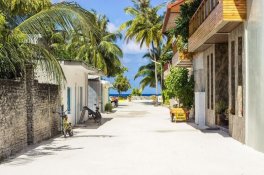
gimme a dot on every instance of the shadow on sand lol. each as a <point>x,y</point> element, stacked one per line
<point>46,148</point>
<point>90,124</point>
<point>209,130</point>
<point>49,147</point>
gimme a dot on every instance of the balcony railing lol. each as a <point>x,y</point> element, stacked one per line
<point>203,11</point>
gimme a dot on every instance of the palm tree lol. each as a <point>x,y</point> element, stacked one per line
<point>23,21</point>
<point>148,71</point>
<point>148,74</point>
<point>146,25</point>
<point>99,50</point>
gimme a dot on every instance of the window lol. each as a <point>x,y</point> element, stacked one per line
<point>240,70</point>
<point>212,81</point>
<point>240,73</point>
<point>69,100</point>
<point>208,82</point>
<point>233,79</point>
<point>81,98</point>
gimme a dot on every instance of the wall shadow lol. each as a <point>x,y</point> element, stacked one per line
<point>91,124</point>
<point>209,130</point>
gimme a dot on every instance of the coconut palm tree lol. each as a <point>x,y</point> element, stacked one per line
<point>99,50</point>
<point>23,23</point>
<point>145,26</point>
<point>147,72</point>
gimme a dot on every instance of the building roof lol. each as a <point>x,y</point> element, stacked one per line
<point>88,68</point>
<point>173,10</point>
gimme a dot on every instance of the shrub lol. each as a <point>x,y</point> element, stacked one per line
<point>181,86</point>
<point>136,92</point>
<point>108,107</point>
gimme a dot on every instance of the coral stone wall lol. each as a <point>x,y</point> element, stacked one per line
<point>26,113</point>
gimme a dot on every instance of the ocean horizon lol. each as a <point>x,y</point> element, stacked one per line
<point>126,95</point>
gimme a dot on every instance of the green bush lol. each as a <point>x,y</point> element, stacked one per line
<point>108,107</point>
<point>220,107</point>
<point>181,86</point>
<point>136,92</point>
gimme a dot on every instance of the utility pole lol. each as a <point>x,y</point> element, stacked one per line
<point>156,77</point>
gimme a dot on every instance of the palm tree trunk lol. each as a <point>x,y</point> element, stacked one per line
<point>156,74</point>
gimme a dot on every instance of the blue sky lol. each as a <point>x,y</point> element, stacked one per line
<point>114,10</point>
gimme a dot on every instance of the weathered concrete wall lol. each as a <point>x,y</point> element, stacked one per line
<point>237,120</point>
<point>237,127</point>
<point>199,72</point>
<point>26,113</point>
<point>13,117</point>
<point>221,73</point>
<point>209,99</point>
<point>254,75</point>
<point>46,99</point>
<point>199,88</point>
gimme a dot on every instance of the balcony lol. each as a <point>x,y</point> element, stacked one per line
<point>212,22</point>
<point>182,59</point>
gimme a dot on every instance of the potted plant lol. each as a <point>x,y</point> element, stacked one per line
<point>129,98</point>
<point>108,107</point>
<point>220,110</point>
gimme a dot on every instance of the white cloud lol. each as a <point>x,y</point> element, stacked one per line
<point>112,27</point>
<point>133,48</point>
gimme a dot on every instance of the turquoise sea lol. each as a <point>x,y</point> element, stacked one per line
<point>126,95</point>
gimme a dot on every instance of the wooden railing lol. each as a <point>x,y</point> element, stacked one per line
<point>203,11</point>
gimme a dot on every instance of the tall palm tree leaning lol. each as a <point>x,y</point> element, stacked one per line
<point>100,49</point>
<point>148,73</point>
<point>145,27</point>
<point>22,21</point>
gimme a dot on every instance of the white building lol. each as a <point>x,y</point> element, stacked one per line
<point>105,92</point>
<point>75,93</point>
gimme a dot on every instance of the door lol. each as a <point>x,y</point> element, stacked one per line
<point>94,94</point>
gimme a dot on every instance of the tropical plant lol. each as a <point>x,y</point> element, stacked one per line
<point>108,107</point>
<point>100,49</point>
<point>145,28</point>
<point>182,22</point>
<point>220,107</point>
<point>148,71</point>
<point>181,86</point>
<point>148,74</point>
<point>146,24</point>
<point>136,92</point>
<point>24,23</point>
<point>121,84</point>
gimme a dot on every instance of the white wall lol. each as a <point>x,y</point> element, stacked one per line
<point>199,77</point>
<point>255,75</point>
<point>105,94</point>
<point>76,77</point>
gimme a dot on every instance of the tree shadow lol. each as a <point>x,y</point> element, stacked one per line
<point>94,136</point>
<point>37,151</point>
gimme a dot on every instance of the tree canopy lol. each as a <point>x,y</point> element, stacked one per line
<point>41,33</point>
<point>121,84</point>
<point>179,85</point>
<point>136,92</point>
